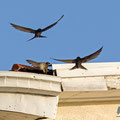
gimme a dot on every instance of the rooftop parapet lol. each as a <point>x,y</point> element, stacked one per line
<point>101,82</point>
<point>28,95</point>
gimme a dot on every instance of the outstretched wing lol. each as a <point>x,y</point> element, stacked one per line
<point>50,26</point>
<point>34,64</point>
<point>66,61</point>
<point>92,56</point>
<point>23,28</point>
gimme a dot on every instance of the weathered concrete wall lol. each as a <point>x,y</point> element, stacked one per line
<point>88,111</point>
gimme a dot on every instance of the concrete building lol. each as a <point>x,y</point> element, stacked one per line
<point>92,94</point>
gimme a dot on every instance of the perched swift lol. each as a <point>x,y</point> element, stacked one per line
<point>78,61</point>
<point>40,65</point>
<point>37,32</point>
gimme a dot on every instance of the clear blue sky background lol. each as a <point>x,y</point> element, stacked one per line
<point>87,25</point>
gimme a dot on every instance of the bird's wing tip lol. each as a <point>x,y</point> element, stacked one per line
<point>11,23</point>
<point>62,16</point>
<point>101,48</point>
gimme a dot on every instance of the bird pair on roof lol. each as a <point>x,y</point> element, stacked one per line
<point>78,62</point>
<point>44,66</point>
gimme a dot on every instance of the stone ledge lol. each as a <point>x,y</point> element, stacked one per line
<point>29,83</point>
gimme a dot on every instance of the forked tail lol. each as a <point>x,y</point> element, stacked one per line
<point>31,38</point>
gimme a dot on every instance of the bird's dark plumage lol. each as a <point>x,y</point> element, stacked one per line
<point>23,28</point>
<point>92,56</point>
<point>78,61</point>
<point>37,32</point>
<point>50,26</point>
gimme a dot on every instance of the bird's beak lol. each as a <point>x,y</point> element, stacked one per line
<point>50,64</point>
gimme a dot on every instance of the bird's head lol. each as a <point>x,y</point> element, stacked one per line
<point>39,29</point>
<point>48,64</point>
<point>78,58</point>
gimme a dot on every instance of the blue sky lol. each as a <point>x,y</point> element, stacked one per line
<point>87,25</point>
